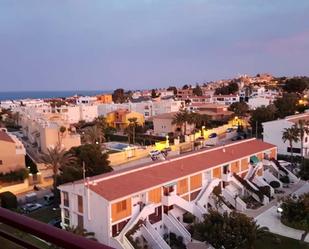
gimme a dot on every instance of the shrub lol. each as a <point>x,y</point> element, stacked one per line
<point>274,184</point>
<point>13,176</point>
<point>8,200</point>
<point>285,179</point>
<point>188,218</point>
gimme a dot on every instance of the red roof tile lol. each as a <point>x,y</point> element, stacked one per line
<point>114,187</point>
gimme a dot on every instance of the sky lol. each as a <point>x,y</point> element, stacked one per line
<point>138,44</point>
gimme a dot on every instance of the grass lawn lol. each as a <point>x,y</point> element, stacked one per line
<point>282,243</point>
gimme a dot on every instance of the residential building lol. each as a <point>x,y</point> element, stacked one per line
<point>163,125</point>
<point>214,111</point>
<point>152,199</point>
<point>85,100</point>
<point>184,93</point>
<point>272,132</point>
<point>43,130</point>
<point>105,98</point>
<point>12,152</point>
<point>120,118</point>
<point>225,99</point>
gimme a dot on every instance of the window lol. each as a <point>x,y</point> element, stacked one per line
<point>66,217</point>
<point>80,221</point>
<point>80,203</point>
<point>65,199</point>
<point>121,206</point>
<point>1,162</point>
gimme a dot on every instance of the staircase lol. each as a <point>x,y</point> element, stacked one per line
<point>175,226</point>
<point>190,207</point>
<point>234,200</point>
<point>285,171</point>
<point>143,214</point>
<point>153,237</point>
<point>203,197</point>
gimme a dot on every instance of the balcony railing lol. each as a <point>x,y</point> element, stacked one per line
<point>43,231</point>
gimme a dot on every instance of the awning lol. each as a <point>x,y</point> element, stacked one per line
<point>254,160</point>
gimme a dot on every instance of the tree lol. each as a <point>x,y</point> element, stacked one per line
<point>291,135</point>
<point>61,132</point>
<point>172,88</point>
<point>154,94</point>
<point>181,118</point>
<point>239,108</point>
<point>287,105</point>
<point>185,87</point>
<point>260,115</point>
<point>197,90</point>
<point>131,129</point>
<point>198,119</point>
<point>55,159</point>
<point>119,96</point>
<point>296,85</point>
<point>231,88</point>
<point>229,231</point>
<point>91,155</point>
<point>302,128</point>
<point>296,212</point>
<point>94,135</point>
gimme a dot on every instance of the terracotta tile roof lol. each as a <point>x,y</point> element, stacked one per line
<point>119,185</point>
<point>5,137</point>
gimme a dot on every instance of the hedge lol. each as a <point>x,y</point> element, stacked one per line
<point>8,200</point>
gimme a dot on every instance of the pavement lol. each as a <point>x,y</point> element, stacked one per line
<point>269,217</point>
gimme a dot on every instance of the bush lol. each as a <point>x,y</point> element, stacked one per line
<point>19,175</point>
<point>285,179</point>
<point>188,218</point>
<point>274,184</point>
<point>8,200</point>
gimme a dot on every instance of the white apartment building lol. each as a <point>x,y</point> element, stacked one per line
<point>82,100</point>
<point>273,130</point>
<point>225,99</point>
<point>152,199</point>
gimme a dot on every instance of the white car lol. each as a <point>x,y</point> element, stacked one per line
<point>30,207</point>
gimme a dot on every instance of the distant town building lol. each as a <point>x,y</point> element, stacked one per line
<point>12,152</point>
<point>120,118</point>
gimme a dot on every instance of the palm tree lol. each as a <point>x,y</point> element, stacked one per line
<point>131,127</point>
<point>291,135</point>
<point>55,159</point>
<point>81,232</point>
<point>182,118</point>
<point>61,132</point>
<point>94,135</point>
<point>303,129</point>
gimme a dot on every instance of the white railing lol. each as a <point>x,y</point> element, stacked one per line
<point>237,203</point>
<point>203,199</point>
<point>147,210</point>
<point>159,240</point>
<point>176,227</point>
<point>152,243</point>
<point>127,244</point>
<point>269,177</point>
<point>258,180</point>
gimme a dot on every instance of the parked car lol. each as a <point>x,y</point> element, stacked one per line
<point>212,135</point>
<point>30,207</point>
<point>31,197</point>
<point>55,222</point>
<point>229,130</point>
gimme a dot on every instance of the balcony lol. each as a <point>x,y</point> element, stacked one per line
<point>46,233</point>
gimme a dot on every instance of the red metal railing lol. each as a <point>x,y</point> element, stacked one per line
<point>45,232</point>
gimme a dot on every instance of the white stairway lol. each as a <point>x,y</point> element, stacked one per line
<point>175,226</point>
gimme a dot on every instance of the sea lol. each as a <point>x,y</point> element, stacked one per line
<point>48,94</point>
